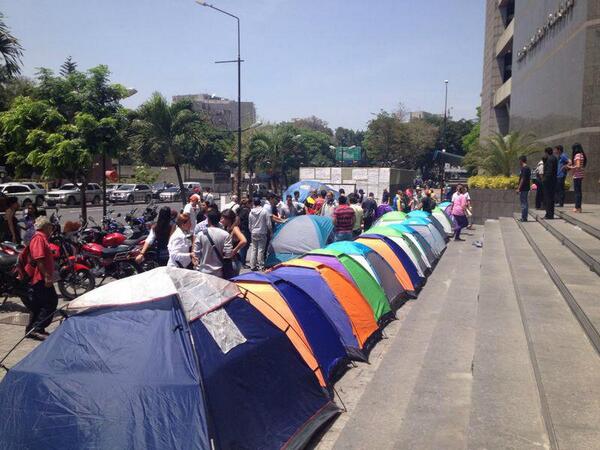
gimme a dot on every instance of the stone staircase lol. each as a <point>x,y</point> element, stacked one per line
<point>500,350</point>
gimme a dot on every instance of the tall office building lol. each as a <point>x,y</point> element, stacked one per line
<point>541,74</point>
<point>222,112</point>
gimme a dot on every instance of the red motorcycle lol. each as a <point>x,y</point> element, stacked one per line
<point>74,275</point>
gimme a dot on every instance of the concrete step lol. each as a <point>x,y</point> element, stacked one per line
<point>505,402</point>
<point>572,275</point>
<point>584,245</point>
<point>589,221</point>
<point>566,365</point>
<point>420,395</point>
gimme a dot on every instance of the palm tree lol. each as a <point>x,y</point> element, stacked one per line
<point>10,50</point>
<point>499,155</point>
<point>168,132</point>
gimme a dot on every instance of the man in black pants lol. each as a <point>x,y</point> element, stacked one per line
<point>549,181</point>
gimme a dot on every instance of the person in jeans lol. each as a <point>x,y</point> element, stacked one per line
<point>259,224</point>
<point>343,220</point>
<point>578,163</point>
<point>42,299</point>
<point>524,187</point>
<point>561,174</point>
<point>549,181</point>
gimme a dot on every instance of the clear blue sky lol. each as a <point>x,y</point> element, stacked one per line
<point>340,60</point>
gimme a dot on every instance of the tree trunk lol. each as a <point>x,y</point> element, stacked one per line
<point>83,199</point>
<point>181,187</point>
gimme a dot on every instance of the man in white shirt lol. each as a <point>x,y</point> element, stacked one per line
<point>192,209</point>
<point>212,246</point>
<point>259,224</point>
<point>233,204</point>
<point>208,196</point>
<point>288,209</point>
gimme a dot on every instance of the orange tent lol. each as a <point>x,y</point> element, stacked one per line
<point>390,257</point>
<point>266,299</point>
<point>356,306</point>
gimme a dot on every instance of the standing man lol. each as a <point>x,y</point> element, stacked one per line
<point>288,209</point>
<point>537,176</point>
<point>192,209</point>
<point>259,224</point>
<point>524,187</point>
<point>329,206</point>
<point>561,174</point>
<point>549,181</point>
<point>42,300</point>
<point>209,197</point>
<point>343,220</point>
<point>369,207</point>
<point>212,246</point>
<point>358,215</point>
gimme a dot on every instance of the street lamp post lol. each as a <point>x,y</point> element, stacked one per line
<point>239,70</point>
<point>445,114</point>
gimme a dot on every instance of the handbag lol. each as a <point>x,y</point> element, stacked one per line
<point>226,263</point>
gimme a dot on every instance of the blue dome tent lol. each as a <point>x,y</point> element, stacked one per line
<point>298,236</point>
<point>305,187</point>
<point>163,359</point>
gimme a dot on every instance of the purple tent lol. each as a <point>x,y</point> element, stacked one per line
<point>382,209</point>
<point>331,262</point>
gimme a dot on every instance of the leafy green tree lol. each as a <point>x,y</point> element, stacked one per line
<point>345,137</point>
<point>64,125</point>
<point>387,141</point>
<point>11,88</point>
<point>144,174</point>
<point>11,51</point>
<point>422,139</point>
<point>312,123</point>
<point>498,155</point>
<point>452,138</point>
<point>68,67</point>
<point>471,140</point>
<point>174,134</point>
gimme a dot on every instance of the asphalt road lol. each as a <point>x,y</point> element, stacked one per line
<point>68,213</point>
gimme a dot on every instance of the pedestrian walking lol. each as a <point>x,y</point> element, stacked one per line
<point>212,248</point>
<point>369,206</point>
<point>358,215</point>
<point>578,164</point>
<point>524,187</point>
<point>343,220</point>
<point>459,212</point>
<point>563,163</point>
<point>259,224</point>
<point>179,246</point>
<point>158,238</point>
<point>39,267</point>
<point>538,175</point>
<point>549,181</point>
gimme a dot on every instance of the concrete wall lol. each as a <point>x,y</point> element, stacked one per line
<point>494,203</point>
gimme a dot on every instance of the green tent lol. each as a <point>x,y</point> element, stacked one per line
<point>367,285</point>
<point>392,216</point>
<point>417,254</point>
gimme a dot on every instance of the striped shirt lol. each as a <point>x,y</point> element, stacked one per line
<point>578,171</point>
<point>344,219</point>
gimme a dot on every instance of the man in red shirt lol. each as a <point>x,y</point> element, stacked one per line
<point>42,300</point>
<point>343,220</point>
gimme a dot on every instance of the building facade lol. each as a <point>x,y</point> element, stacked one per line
<point>222,112</point>
<point>541,75</point>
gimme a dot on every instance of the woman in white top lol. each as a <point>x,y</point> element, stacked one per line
<point>179,243</point>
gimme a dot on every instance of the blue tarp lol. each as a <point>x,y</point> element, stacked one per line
<point>305,187</point>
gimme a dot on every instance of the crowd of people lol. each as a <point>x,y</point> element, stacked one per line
<point>548,178</point>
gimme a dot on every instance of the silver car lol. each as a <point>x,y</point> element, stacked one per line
<point>131,193</point>
<point>22,192</point>
<point>69,194</point>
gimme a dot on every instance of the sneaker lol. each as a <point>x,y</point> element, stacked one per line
<point>459,239</point>
<point>523,220</point>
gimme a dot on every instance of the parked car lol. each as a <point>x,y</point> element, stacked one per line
<point>172,194</point>
<point>131,193</point>
<point>157,188</point>
<point>69,194</point>
<point>110,188</point>
<point>23,193</point>
<point>38,189</point>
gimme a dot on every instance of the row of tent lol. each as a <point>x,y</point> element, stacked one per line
<point>173,358</point>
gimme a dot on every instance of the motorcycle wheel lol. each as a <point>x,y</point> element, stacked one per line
<point>124,269</point>
<point>148,265</point>
<point>77,283</point>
